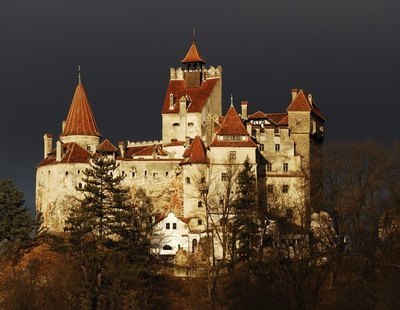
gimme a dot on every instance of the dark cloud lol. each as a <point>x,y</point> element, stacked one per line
<point>344,52</point>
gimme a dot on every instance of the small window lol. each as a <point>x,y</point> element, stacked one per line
<point>155,174</point>
<point>199,204</point>
<point>80,185</point>
<point>187,180</point>
<point>232,155</point>
<point>133,174</point>
<point>89,148</point>
<point>203,180</point>
<point>221,201</point>
<point>225,177</point>
<point>277,147</point>
<point>168,226</point>
<point>175,124</point>
<point>285,189</point>
<point>270,188</point>
<point>173,225</point>
<point>190,124</point>
<point>145,174</point>
<point>66,173</point>
<point>199,222</point>
<point>269,166</point>
<point>166,173</point>
<point>194,245</point>
<point>167,247</point>
<point>123,173</point>
<point>285,167</point>
<point>261,146</point>
<point>79,171</point>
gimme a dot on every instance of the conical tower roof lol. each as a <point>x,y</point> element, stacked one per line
<point>193,55</point>
<point>80,119</point>
<point>232,124</point>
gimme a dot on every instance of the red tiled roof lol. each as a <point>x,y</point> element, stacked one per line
<point>196,153</point>
<point>198,95</point>
<point>80,119</point>
<point>301,103</point>
<point>72,154</point>
<point>106,146</point>
<point>257,115</point>
<point>193,55</point>
<point>134,149</point>
<point>175,143</point>
<point>277,117</point>
<point>232,124</point>
<point>148,151</point>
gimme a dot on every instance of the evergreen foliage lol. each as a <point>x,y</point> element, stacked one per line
<point>108,236</point>
<point>15,220</point>
<point>246,224</point>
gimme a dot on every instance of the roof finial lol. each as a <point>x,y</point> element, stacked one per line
<point>79,74</point>
<point>194,34</point>
<point>231,100</point>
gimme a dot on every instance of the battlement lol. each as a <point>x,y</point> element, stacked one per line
<point>212,72</point>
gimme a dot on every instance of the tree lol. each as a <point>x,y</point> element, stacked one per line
<point>106,231</point>
<point>246,227</point>
<point>15,220</point>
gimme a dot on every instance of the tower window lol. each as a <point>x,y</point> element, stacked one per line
<point>277,147</point>
<point>199,204</point>
<point>187,180</point>
<point>80,185</point>
<point>145,174</point>
<point>166,173</point>
<point>155,174</point>
<point>285,167</point>
<point>168,226</point>
<point>66,173</point>
<point>261,146</point>
<point>199,222</point>
<point>232,155</point>
<point>173,225</point>
<point>269,166</point>
<point>285,189</point>
<point>175,124</point>
<point>270,188</point>
<point>190,124</point>
<point>133,174</point>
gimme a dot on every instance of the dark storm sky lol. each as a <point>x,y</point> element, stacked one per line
<point>345,52</point>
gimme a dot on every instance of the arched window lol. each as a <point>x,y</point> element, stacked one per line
<point>203,180</point>
<point>167,247</point>
<point>194,245</point>
<point>187,180</point>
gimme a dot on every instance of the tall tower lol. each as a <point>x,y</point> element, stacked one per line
<point>80,126</point>
<point>306,124</point>
<point>193,93</point>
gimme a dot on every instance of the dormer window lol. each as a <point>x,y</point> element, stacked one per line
<point>176,124</point>
<point>190,124</point>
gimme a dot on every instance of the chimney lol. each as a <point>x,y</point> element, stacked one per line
<point>63,126</point>
<point>154,154</point>
<point>48,144</point>
<point>121,146</point>
<point>244,105</point>
<point>249,128</point>
<point>58,151</point>
<point>182,105</point>
<point>310,99</point>
<point>294,93</point>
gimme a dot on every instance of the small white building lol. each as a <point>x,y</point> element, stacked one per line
<point>171,234</point>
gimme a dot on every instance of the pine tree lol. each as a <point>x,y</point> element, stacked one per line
<point>107,235</point>
<point>15,220</point>
<point>246,224</point>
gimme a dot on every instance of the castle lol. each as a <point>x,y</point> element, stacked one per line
<point>199,146</point>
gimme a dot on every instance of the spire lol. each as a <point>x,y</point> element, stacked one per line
<point>232,124</point>
<point>80,119</point>
<point>194,34</point>
<point>79,74</point>
<point>231,100</point>
<point>193,55</point>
